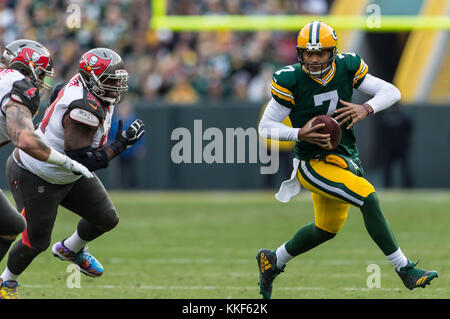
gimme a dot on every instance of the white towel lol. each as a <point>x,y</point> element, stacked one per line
<point>290,187</point>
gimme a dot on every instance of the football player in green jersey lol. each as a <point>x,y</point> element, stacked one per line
<point>322,83</point>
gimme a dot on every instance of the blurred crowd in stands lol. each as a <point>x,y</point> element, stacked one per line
<point>177,68</point>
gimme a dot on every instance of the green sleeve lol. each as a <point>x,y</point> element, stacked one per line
<point>283,86</point>
<point>356,67</point>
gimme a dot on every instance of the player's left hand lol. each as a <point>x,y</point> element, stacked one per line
<point>351,111</point>
<point>132,134</point>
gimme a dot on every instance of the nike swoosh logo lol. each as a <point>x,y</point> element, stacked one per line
<point>94,107</point>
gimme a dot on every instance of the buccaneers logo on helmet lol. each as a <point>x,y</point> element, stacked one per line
<point>103,73</point>
<point>31,57</point>
<point>90,62</point>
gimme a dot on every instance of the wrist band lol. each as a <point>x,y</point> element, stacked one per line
<point>118,146</point>
<point>55,157</point>
<point>366,108</point>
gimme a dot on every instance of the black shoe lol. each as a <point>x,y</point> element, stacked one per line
<point>414,277</point>
<point>268,271</point>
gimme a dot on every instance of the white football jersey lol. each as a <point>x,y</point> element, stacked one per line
<point>52,131</point>
<point>7,78</point>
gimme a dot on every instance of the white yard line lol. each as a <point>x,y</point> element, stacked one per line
<point>227,288</point>
<point>244,261</point>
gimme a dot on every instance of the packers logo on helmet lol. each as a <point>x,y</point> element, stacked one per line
<point>317,36</point>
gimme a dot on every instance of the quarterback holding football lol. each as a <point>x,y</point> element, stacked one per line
<point>322,83</point>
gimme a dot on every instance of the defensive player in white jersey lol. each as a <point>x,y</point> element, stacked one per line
<point>24,65</point>
<point>76,122</point>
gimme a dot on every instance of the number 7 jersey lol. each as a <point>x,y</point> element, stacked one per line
<point>308,97</point>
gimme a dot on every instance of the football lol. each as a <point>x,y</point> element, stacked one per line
<point>331,127</point>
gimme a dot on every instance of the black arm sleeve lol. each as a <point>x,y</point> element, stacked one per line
<point>91,158</point>
<point>26,93</point>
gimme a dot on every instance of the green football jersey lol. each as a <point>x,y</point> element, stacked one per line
<point>308,97</point>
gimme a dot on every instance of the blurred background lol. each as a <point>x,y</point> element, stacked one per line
<point>222,77</point>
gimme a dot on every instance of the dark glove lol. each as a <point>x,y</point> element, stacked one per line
<point>126,139</point>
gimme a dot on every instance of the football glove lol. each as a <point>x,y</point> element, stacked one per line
<point>76,168</point>
<point>126,139</point>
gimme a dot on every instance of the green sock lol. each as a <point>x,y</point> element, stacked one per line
<point>306,238</point>
<point>377,226</point>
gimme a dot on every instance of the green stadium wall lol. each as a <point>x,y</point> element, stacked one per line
<point>429,153</point>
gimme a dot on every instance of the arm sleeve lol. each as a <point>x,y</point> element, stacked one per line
<point>270,125</point>
<point>384,93</point>
<point>93,159</point>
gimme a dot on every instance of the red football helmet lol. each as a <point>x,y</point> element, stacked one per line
<point>103,73</point>
<point>32,59</point>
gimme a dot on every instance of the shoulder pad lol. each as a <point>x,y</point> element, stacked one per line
<point>356,67</point>
<point>351,60</point>
<point>283,85</point>
<point>25,92</point>
<point>90,106</point>
<point>84,117</point>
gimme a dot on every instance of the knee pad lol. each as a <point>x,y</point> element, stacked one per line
<point>108,221</point>
<point>20,225</point>
<point>16,226</point>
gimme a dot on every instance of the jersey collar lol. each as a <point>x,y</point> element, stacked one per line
<point>327,78</point>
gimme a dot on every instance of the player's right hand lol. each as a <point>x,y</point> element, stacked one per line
<point>308,133</point>
<point>76,168</point>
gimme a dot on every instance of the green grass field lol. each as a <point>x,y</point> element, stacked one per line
<point>203,245</point>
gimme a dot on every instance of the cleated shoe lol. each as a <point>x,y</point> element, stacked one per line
<point>267,261</point>
<point>414,277</point>
<point>8,290</point>
<point>87,263</point>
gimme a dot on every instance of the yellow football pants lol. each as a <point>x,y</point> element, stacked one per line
<point>334,189</point>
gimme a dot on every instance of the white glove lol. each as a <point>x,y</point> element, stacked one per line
<point>76,167</point>
<point>69,164</point>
